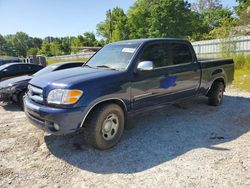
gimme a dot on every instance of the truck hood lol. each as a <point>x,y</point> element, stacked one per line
<point>15,81</point>
<point>65,78</point>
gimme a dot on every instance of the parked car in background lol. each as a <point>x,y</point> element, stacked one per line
<point>13,90</point>
<point>119,81</point>
<point>8,71</point>
<point>7,60</point>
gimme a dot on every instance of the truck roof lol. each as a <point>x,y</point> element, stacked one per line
<point>140,41</point>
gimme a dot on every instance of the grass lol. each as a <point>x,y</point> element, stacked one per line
<point>242,79</point>
<point>241,61</point>
<point>52,61</point>
<point>242,72</point>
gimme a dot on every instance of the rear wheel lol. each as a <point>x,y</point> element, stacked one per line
<point>216,93</point>
<point>104,126</point>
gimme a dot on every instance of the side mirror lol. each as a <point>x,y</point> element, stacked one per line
<point>4,71</point>
<point>145,66</point>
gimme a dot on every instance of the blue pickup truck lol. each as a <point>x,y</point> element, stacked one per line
<point>123,79</point>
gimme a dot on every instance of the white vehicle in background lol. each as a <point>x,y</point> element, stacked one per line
<point>39,60</point>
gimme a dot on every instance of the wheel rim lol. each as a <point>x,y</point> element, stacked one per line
<point>110,127</point>
<point>220,95</point>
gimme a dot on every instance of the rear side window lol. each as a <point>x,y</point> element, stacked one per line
<point>181,53</point>
<point>25,67</point>
<point>35,67</point>
<point>158,53</point>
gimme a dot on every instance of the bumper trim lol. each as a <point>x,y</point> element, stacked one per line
<point>31,106</point>
<point>44,117</point>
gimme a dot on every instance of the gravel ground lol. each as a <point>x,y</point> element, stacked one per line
<point>185,145</point>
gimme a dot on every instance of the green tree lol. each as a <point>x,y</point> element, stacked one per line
<point>76,44</point>
<point>243,6</point>
<point>45,49</point>
<point>171,18</point>
<point>89,39</point>
<point>32,51</point>
<point>55,48</point>
<point>9,48</point>
<point>224,29</point>
<point>214,19</point>
<point>65,45</point>
<point>139,18</point>
<point>36,42</point>
<point>162,18</point>
<point>115,26</point>
<point>2,45</point>
<point>21,42</point>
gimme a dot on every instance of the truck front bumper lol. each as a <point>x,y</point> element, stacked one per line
<point>53,120</point>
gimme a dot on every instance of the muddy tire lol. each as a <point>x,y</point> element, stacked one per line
<point>104,126</point>
<point>20,99</point>
<point>216,93</point>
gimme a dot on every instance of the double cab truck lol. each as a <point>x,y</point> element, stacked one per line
<point>120,80</point>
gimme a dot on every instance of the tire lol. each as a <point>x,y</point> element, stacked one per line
<point>20,99</point>
<point>215,96</point>
<point>104,126</point>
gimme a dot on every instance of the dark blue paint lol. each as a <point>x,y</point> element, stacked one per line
<point>168,82</point>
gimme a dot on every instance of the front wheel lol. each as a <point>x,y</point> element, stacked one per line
<point>104,126</point>
<point>20,99</point>
<point>216,93</point>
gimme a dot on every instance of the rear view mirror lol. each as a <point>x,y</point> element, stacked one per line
<point>145,66</point>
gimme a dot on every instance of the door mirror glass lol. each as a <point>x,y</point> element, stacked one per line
<point>145,66</point>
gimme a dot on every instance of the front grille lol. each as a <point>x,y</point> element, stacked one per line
<point>35,94</point>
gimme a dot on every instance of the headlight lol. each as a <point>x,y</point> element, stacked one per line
<point>64,96</point>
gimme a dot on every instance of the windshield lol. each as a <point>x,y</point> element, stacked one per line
<point>3,67</point>
<point>115,56</point>
<point>46,70</point>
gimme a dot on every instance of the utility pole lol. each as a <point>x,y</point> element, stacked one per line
<point>110,25</point>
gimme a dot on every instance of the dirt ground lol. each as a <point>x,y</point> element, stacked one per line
<point>186,145</point>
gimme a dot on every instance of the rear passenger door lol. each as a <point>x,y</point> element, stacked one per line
<point>23,69</point>
<point>185,69</point>
<point>175,75</point>
<point>27,69</point>
<point>34,68</point>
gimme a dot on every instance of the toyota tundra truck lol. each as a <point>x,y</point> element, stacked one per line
<point>123,79</point>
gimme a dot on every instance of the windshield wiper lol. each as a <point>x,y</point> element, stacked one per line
<point>86,65</point>
<point>105,66</point>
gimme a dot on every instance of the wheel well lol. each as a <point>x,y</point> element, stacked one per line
<point>216,80</point>
<point>220,80</point>
<point>110,101</point>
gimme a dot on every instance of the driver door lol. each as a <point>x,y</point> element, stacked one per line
<point>149,87</point>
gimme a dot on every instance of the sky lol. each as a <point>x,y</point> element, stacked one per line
<point>58,18</point>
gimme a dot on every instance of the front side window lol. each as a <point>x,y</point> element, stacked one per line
<point>157,53</point>
<point>115,56</point>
